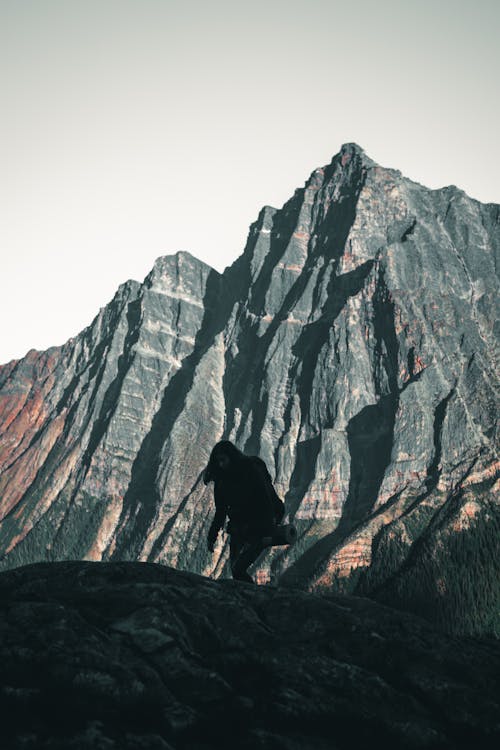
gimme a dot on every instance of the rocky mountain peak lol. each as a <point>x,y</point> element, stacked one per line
<point>350,346</point>
<point>179,274</point>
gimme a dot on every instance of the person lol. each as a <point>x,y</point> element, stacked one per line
<point>244,493</point>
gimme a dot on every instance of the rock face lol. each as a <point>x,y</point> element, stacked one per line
<point>131,655</point>
<point>351,346</point>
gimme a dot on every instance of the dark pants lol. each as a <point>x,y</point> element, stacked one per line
<point>243,551</point>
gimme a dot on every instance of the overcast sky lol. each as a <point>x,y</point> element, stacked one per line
<point>132,129</point>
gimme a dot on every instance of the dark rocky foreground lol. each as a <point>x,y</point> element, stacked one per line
<point>136,655</point>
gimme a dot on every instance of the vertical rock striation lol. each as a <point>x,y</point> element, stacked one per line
<point>351,345</point>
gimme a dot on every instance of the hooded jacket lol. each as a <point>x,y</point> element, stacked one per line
<point>243,492</point>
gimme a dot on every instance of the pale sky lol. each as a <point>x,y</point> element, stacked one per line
<point>132,129</point>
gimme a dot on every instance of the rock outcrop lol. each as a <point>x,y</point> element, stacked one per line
<point>131,655</point>
<point>351,346</point>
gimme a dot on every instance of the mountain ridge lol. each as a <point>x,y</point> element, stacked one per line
<point>356,147</point>
<point>351,345</point>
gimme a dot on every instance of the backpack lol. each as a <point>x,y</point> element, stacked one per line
<point>278,506</point>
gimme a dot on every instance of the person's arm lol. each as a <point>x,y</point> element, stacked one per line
<point>219,518</point>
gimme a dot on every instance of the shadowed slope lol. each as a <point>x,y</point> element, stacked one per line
<point>128,655</point>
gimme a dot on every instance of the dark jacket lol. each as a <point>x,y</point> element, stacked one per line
<point>244,494</point>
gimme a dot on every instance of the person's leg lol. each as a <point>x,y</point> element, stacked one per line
<point>242,555</point>
<point>236,547</point>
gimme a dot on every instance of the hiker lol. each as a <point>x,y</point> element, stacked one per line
<point>244,492</point>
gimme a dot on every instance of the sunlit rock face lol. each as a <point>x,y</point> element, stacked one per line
<point>351,346</point>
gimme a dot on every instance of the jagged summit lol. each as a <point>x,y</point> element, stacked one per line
<point>354,150</point>
<point>324,173</point>
<point>179,256</point>
<point>179,265</point>
<point>350,152</point>
<point>350,346</point>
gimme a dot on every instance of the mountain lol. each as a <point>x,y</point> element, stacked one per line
<point>134,655</point>
<point>352,346</point>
